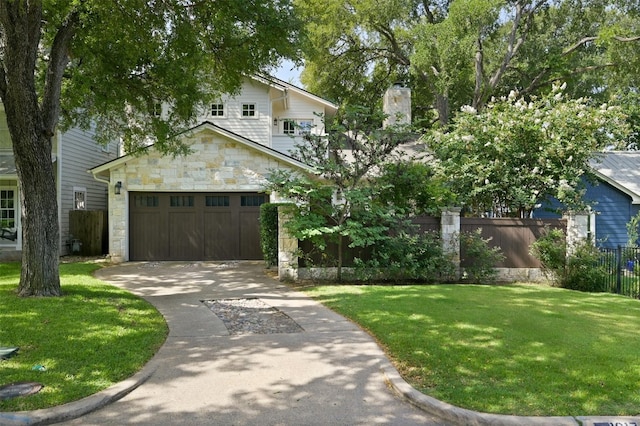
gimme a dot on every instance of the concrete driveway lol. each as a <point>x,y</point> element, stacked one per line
<point>327,374</point>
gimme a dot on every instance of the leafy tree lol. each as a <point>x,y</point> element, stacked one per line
<point>518,152</point>
<point>465,52</point>
<point>339,202</point>
<point>109,62</point>
<point>413,187</point>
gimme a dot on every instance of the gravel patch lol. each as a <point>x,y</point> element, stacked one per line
<point>251,316</point>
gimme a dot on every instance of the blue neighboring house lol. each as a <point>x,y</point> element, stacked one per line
<point>615,198</point>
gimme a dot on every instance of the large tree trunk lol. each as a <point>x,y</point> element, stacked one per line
<point>40,230</point>
<point>31,128</point>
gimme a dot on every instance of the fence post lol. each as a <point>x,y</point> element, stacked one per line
<point>450,235</point>
<point>287,247</point>
<point>577,229</point>
<point>619,270</point>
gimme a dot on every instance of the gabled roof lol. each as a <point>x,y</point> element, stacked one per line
<point>620,169</point>
<point>284,87</point>
<point>206,125</point>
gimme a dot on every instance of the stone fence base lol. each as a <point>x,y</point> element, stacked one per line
<point>504,275</point>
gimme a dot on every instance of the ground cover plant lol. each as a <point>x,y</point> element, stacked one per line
<point>92,337</point>
<point>520,349</point>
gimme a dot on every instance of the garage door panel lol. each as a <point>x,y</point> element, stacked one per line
<point>185,236</point>
<point>250,235</point>
<point>194,226</point>
<point>220,236</point>
<point>148,236</point>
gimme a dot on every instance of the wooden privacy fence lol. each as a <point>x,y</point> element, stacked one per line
<point>88,232</point>
<point>513,236</point>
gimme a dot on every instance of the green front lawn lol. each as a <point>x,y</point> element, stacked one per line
<point>91,338</point>
<point>522,349</point>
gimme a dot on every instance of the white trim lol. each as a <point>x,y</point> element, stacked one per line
<point>635,198</point>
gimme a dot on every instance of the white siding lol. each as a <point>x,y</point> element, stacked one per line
<point>79,152</point>
<point>256,129</point>
<point>299,108</point>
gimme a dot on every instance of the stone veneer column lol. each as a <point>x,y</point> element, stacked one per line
<point>577,228</point>
<point>287,247</point>
<point>450,235</point>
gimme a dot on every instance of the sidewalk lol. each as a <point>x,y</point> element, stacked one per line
<point>331,373</point>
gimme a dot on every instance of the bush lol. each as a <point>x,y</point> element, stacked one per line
<point>408,257</point>
<point>582,270</point>
<point>482,257</point>
<point>269,232</point>
<point>551,250</point>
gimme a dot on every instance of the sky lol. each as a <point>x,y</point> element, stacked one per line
<point>289,73</point>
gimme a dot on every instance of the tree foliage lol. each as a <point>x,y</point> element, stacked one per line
<point>518,151</point>
<point>340,199</point>
<point>109,63</point>
<point>465,52</point>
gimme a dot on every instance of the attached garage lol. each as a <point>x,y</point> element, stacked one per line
<point>200,206</point>
<point>195,226</point>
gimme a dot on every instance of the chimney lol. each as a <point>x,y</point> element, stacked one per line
<point>396,104</point>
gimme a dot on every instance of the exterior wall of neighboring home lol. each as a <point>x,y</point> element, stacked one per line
<point>612,211</point>
<point>73,153</point>
<point>218,164</point>
<point>255,127</point>
<point>77,189</point>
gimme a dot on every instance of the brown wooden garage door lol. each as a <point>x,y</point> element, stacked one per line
<point>194,226</point>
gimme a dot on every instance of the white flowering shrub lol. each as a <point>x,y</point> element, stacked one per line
<point>518,151</point>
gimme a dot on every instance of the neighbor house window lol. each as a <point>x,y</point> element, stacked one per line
<point>79,198</point>
<point>248,110</point>
<point>8,207</point>
<point>217,110</point>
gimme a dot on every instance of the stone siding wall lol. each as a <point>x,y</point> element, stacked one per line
<point>217,164</point>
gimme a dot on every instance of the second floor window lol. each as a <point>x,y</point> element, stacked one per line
<point>79,198</point>
<point>248,110</point>
<point>289,127</point>
<point>217,110</point>
<point>297,127</point>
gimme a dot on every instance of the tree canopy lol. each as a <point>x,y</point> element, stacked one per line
<point>109,63</point>
<point>466,52</point>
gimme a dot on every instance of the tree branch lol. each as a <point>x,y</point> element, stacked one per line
<point>578,44</point>
<point>57,64</point>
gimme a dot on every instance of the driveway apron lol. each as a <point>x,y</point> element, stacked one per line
<point>327,373</point>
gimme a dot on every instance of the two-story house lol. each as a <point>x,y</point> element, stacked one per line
<point>205,205</point>
<point>73,152</point>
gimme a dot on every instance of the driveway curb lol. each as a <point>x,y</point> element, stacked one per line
<point>462,416</point>
<point>75,409</point>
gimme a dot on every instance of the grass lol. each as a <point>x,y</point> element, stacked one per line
<point>521,349</point>
<point>92,337</point>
